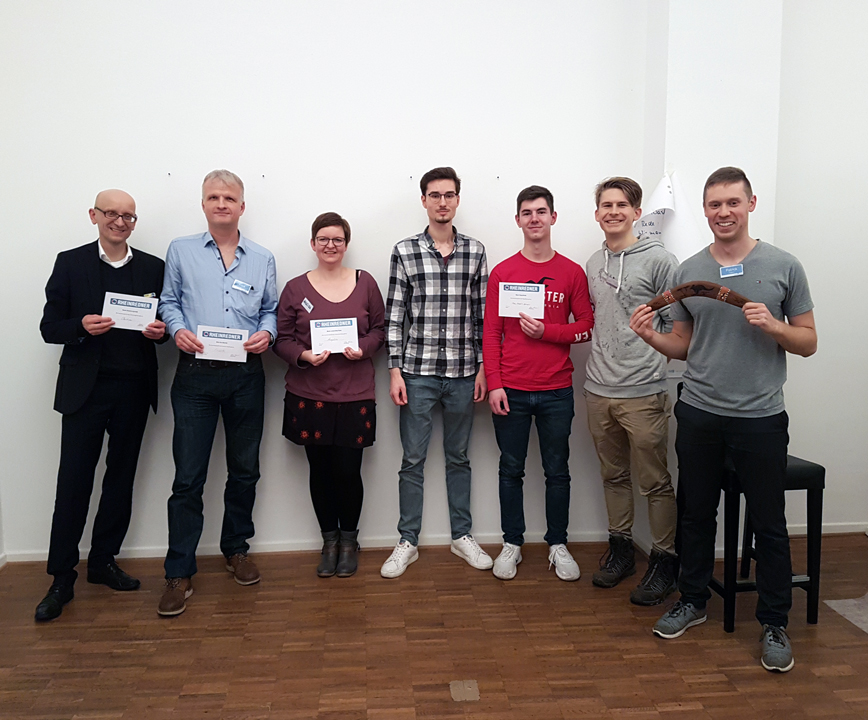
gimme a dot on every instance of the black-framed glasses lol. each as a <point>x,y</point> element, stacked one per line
<point>447,196</point>
<point>111,216</point>
<point>324,241</point>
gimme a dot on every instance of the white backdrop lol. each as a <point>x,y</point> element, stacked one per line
<point>342,106</point>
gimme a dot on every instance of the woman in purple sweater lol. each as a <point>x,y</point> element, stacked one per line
<point>329,406</point>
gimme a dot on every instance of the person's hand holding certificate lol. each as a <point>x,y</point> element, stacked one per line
<point>527,298</point>
<point>334,335</point>
<point>130,312</point>
<point>222,344</point>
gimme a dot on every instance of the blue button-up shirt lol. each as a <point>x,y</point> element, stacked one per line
<point>198,290</point>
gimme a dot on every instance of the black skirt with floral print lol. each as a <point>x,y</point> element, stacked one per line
<point>315,422</point>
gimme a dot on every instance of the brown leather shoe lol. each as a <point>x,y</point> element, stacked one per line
<point>244,569</point>
<point>174,600</point>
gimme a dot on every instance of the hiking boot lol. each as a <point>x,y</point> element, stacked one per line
<point>244,569</point>
<point>174,600</point>
<point>659,580</point>
<point>507,562</point>
<point>565,567</point>
<point>678,619</point>
<point>348,562</point>
<point>618,563</point>
<point>329,562</point>
<point>777,653</point>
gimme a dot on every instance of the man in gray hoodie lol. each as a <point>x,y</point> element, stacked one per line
<point>626,392</point>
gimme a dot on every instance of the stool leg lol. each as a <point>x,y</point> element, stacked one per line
<point>732,510</point>
<point>746,547</point>
<point>815,538</point>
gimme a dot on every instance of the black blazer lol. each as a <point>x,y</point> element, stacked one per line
<point>74,290</point>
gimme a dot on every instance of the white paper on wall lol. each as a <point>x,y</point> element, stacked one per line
<point>667,216</point>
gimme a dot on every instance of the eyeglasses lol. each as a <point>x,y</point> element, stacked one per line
<point>324,241</point>
<point>447,196</point>
<point>111,216</point>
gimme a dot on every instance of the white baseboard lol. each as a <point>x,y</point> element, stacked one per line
<point>387,541</point>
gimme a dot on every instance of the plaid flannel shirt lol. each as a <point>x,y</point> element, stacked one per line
<point>441,303</point>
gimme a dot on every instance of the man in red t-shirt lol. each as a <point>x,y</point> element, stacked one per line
<point>529,373</point>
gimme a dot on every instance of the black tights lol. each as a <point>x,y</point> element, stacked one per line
<point>336,486</point>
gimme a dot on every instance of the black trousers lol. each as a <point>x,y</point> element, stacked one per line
<point>758,449</point>
<point>118,407</point>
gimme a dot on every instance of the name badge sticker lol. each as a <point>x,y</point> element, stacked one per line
<point>307,305</point>
<point>732,270</point>
<point>242,286</point>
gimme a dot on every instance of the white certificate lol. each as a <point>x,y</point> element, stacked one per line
<point>222,343</point>
<point>527,298</point>
<point>334,335</point>
<point>130,312</point>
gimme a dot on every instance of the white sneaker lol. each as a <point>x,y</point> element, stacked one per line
<point>506,564</point>
<point>565,567</point>
<point>468,549</point>
<point>403,554</point>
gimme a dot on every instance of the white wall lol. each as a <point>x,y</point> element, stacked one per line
<point>822,151</point>
<point>342,106</point>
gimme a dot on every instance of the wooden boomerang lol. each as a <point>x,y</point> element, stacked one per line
<point>698,288</point>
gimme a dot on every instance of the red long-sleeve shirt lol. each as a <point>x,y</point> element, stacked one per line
<point>514,360</point>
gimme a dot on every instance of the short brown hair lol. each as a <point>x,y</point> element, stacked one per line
<point>440,173</point>
<point>626,185</point>
<point>532,193</point>
<point>330,219</point>
<point>728,176</point>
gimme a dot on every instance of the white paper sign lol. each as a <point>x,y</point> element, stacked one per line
<point>667,216</point>
<point>527,298</point>
<point>130,312</point>
<point>222,343</point>
<point>334,335</point>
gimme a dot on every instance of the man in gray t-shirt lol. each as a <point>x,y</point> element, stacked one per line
<point>732,405</point>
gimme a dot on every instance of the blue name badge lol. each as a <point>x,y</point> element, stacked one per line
<point>242,286</point>
<point>732,270</point>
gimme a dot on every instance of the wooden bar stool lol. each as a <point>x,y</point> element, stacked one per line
<point>801,475</point>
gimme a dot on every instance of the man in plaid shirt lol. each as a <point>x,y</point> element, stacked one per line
<point>437,289</point>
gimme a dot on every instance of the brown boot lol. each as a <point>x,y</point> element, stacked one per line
<point>329,562</point>
<point>348,562</point>
<point>174,600</point>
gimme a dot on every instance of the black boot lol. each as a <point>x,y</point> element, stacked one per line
<point>619,562</point>
<point>659,580</point>
<point>328,564</point>
<point>348,562</point>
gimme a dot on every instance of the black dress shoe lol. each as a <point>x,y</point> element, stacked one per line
<point>110,574</point>
<point>52,604</point>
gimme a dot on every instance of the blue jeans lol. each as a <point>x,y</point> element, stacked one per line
<point>199,395</point>
<point>553,410</point>
<point>455,396</point>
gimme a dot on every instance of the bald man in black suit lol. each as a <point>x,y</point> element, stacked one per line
<point>107,383</point>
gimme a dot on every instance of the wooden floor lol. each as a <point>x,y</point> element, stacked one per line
<point>296,646</point>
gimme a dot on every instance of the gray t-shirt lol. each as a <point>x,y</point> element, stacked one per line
<point>733,368</point>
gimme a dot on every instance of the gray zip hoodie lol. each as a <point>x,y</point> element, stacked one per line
<point>621,364</point>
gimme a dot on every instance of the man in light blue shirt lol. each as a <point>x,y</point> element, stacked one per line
<point>219,279</point>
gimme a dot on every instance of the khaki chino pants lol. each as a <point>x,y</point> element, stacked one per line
<point>631,436</point>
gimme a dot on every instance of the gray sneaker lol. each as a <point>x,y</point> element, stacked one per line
<point>678,619</point>
<point>777,653</point>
